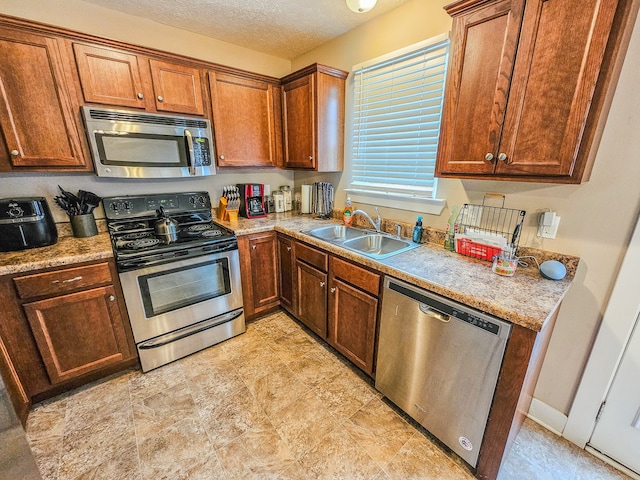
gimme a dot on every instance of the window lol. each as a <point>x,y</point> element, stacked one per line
<point>397,105</point>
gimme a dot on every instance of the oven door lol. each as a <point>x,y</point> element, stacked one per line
<point>164,298</point>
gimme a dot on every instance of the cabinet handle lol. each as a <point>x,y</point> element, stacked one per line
<point>333,289</point>
<point>160,99</point>
<point>111,298</point>
<point>322,284</point>
<point>221,157</point>
<point>488,157</point>
<point>288,249</point>
<point>140,95</point>
<point>69,280</point>
<point>502,157</point>
<point>15,153</point>
<point>253,246</point>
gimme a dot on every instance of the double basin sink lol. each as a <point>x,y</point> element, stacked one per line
<point>372,244</point>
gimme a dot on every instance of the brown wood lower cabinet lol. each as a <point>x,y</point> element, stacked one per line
<point>353,312</point>
<point>312,298</point>
<point>286,277</point>
<point>78,333</point>
<point>259,273</point>
<point>62,328</point>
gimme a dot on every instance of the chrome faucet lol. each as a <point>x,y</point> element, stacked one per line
<point>375,223</point>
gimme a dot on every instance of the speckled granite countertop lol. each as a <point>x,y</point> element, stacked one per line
<point>67,250</point>
<point>526,299</point>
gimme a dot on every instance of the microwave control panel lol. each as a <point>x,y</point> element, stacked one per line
<point>201,152</point>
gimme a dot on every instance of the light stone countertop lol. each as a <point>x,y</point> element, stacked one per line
<point>526,299</point>
<point>67,251</point>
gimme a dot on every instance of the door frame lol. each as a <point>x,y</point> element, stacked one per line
<point>620,317</point>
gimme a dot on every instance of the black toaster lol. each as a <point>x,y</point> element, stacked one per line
<point>26,223</point>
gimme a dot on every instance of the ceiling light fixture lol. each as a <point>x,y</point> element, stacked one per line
<point>361,6</point>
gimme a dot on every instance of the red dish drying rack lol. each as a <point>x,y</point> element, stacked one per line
<point>487,220</point>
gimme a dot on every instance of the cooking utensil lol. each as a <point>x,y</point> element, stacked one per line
<point>89,201</point>
<point>166,228</point>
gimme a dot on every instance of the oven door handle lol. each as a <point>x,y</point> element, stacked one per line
<point>191,160</point>
<point>191,330</point>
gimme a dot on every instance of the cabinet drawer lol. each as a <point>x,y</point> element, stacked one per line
<point>62,281</point>
<point>313,257</point>
<point>357,276</point>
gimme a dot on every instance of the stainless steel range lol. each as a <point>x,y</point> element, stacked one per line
<point>179,271</point>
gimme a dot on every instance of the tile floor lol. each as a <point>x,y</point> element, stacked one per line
<point>272,403</point>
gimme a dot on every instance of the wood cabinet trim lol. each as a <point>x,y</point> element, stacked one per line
<point>312,256</point>
<point>355,275</point>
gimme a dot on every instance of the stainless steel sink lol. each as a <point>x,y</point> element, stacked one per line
<point>374,245</point>
<point>336,233</point>
<point>379,246</point>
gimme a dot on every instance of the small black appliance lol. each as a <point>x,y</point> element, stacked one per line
<point>26,223</point>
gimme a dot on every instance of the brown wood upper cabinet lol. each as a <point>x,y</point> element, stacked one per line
<point>115,77</point>
<point>313,118</point>
<point>525,88</point>
<point>247,120</point>
<point>37,123</point>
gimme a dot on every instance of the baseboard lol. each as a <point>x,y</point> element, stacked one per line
<point>547,416</point>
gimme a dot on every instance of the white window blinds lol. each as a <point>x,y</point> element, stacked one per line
<point>397,109</point>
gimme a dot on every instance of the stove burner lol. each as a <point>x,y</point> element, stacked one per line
<point>127,226</point>
<point>198,228</point>
<point>141,243</point>
<point>136,236</point>
<point>211,233</point>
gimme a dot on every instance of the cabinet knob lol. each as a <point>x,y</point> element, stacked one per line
<point>488,157</point>
<point>310,158</point>
<point>322,284</point>
<point>111,298</point>
<point>221,157</point>
<point>333,289</point>
<point>160,98</point>
<point>140,95</point>
<point>502,157</point>
<point>288,249</point>
<point>15,153</point>
<point>253,246</point>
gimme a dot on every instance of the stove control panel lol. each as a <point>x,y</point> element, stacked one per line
<point>148,205</point>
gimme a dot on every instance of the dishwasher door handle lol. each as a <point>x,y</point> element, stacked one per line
<point>427,310</point>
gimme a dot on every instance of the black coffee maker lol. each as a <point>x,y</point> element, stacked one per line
<point>251,200</point>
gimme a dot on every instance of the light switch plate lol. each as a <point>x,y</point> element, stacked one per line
<point>549,231</point>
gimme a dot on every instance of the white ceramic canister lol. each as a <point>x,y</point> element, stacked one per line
<point>286,193</point>
<point>278,200</point>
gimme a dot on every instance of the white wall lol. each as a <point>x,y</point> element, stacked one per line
<point>597,217</point>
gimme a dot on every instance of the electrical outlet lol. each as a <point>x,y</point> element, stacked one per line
<point>549,231</point>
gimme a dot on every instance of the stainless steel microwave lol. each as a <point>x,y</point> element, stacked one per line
<point>129,144</point>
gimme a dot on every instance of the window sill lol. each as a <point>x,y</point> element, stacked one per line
<point>412,203</point>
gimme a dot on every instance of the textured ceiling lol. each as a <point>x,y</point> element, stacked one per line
<point>284,28</point>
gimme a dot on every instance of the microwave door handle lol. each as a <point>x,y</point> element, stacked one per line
<point>191,159</point>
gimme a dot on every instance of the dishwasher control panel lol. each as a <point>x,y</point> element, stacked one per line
<point>432,303</point>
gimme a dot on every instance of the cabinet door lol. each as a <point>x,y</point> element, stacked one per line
<point>78,333</point>
<point>286,264</point>
<point>352,323</point>
<point>244,123</point>
<point>36,116</point>
<point>110,77</point>
<point>484,43</point>
<point>559,57</point>
<point>299,123</point>
<point>312,298</point>
<point>259,271</point>
<point>177,88</point>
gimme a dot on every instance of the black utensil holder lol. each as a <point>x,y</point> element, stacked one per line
<point>84,225</point>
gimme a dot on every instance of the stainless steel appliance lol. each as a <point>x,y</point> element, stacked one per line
<point>439,362</point>
<point>182,294</point>
<point>252,200</point>
<point>26,223</point>
<point>129,144</point>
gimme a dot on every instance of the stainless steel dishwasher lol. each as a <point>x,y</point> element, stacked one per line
<point>439,362</point>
